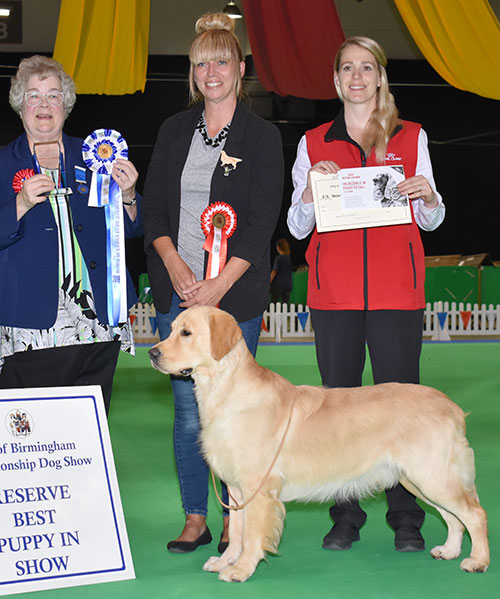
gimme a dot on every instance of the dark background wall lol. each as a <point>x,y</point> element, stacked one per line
<point>463,130</point>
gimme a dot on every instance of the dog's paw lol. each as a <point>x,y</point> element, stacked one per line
<point>469,564</point>
<point>443,552</point>
<point>235,574</point>
<point>214,564</point>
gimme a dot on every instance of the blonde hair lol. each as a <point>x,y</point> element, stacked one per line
<point>384,118</point>
<point>43,67</point>
<point>215,40</point>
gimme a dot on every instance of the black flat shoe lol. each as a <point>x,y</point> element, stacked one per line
<point>187,546</point>
<point>222,546</point>
<point>408,538</point>
<point>341,537</point>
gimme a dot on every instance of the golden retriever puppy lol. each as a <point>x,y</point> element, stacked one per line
<point>338,443</point>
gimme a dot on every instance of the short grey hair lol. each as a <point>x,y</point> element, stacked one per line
<point>43,67</point>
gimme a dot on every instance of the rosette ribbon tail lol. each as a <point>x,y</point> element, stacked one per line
<point>99,190</point>
<point>216,246</point>
<point>115,259</point>
<point>100,150</point>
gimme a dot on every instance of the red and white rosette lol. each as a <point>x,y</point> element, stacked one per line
<point>218,223</point>
<point>20,177</point>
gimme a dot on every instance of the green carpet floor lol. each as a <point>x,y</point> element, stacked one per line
<point>141,433</point>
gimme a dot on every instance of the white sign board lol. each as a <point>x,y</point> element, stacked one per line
<point>61,518</point>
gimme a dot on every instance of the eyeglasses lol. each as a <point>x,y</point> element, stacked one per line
<point>53,98</point>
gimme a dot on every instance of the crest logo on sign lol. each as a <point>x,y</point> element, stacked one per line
<point>19,423</point>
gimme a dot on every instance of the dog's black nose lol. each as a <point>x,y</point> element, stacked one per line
<point>154,353</point>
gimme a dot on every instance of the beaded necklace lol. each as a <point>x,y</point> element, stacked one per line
<point>211,141</point>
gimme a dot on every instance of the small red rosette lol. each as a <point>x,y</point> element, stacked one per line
<point>20,177</point>
<point>218,223</point>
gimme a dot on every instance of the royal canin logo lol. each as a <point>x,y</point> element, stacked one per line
<point>390,156</point>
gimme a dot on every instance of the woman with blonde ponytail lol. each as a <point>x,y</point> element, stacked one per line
<point>366,286</point>
<point>217,154</point>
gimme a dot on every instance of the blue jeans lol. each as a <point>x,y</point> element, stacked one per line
<point>192,469</point>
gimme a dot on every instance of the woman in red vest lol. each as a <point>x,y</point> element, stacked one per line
<point>366,286</point>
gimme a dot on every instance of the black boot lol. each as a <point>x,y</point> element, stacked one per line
<point>405,517</point>
<point>349,518</point>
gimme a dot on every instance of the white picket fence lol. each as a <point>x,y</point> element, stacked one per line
<point>443,320</point>
<point>144,323</point>
<point>282,322</point>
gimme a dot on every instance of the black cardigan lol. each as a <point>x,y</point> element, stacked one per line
<point>254,190</point>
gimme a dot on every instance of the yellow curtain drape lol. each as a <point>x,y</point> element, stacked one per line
<point>460,39</point>
<point>103,44</point>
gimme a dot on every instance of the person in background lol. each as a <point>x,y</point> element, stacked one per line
<point>366,286</point>
<point>54,327</point>
<point>218,153</point>
<point>281,274</point>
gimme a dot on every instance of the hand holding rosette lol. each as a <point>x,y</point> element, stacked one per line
<point>100,151</point>
<point>31,189</point>
<point>20,177</point>
<point>218,223</point>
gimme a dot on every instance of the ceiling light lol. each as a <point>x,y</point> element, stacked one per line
<point>4,12</point>
<point>232,10</point>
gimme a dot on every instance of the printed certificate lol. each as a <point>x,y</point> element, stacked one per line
<point>356,198</point>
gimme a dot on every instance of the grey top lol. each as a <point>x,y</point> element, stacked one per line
<point>195,193</point>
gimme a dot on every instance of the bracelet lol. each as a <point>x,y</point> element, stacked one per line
<point>131,203</point>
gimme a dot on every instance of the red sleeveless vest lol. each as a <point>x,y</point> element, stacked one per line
<point>378,268</point>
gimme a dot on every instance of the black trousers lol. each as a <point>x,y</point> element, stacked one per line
<point>394,341</point>
<point>73,365</point>
<point>277,294</point>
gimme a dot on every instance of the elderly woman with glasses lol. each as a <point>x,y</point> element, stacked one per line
<point>54,327</point>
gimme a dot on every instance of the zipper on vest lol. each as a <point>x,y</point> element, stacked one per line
<point>365,267</point>
<point>317,265</point>
<point>413,266</point>
<point>365,248</point>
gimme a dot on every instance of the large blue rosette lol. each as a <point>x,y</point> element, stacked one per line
<point>100,150</point>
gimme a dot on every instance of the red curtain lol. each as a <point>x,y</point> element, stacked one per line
<point>294,43</point>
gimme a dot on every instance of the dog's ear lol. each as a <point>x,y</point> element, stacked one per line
<point>224,334</point>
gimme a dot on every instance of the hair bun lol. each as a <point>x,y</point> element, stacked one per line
<point>214,20</point>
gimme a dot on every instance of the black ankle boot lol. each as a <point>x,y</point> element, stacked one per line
<point>408,538</point>
<point>341,537</point>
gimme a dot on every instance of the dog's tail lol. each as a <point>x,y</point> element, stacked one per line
<point>464,463</point>
<point>463,460</point>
